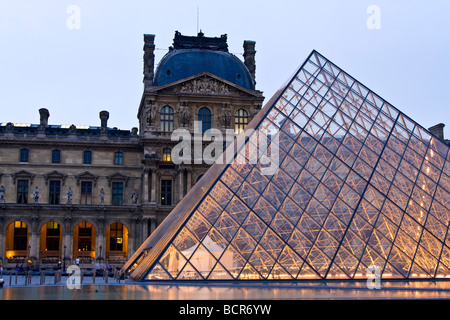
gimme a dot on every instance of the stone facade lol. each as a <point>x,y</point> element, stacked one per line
<point>103,191</point>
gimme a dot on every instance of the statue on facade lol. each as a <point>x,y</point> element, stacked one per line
<point>134,197</point>
<point>102,196</point>
<point>69,196</point>
<point>184,115</point>
<point>150,115</point>
<point>72,129</point>
<point>36,195</point>
<point>225,116</point>
<point>2,194</point>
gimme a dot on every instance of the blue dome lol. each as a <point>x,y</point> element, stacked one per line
<point>182,63</point>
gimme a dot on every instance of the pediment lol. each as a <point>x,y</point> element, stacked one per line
<point>205,84</point>
<point>55,175</point>
<point>23,174</point>
<point>117,177</point>
<point>86,176</point>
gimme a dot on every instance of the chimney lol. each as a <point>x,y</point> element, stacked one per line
<point>104,116</point>
<point>249,57</point>
<point>44,117</point>
<point>149,59</point>
<point>438,130</point>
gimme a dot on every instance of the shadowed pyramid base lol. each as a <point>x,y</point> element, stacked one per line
<point>359,187</point>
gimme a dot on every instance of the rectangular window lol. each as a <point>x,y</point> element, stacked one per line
<point>117,194</point>
<point>86,192</point>
<point>24,153</point>
<point>87,157</point>
<point>54,192</point>
<point>118,158</point>
<point>167,154</point>
<point>56,156</point>
<point>22,191</point>
<point>166,192</point>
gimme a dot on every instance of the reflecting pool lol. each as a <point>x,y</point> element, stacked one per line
<point>232,291</point>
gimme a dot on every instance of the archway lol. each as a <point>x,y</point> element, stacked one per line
<point>16,242</point>
<point>84,242</point>
<point>116,243</point>
<point>50,242</point>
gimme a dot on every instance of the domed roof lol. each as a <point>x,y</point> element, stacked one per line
<point>195,55</point>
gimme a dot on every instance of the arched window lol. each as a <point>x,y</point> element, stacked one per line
<point>166,156</point>
<point>166,119</point>
<point>240,120</point>
<point>204,116</point>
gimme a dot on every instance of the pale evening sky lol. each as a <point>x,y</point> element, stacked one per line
<point>76,73</point>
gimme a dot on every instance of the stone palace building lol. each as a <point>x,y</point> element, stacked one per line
<point>96,193</point>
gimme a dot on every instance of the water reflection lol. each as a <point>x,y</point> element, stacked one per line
<point>232,291</point>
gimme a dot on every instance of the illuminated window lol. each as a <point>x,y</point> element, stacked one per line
<point>84,236</point>
<point>166,154</point>
<point>116,237</point>
<point>20,235</point>
<point>166,119</point>
<point>240,120</point>
<point>52,240</point>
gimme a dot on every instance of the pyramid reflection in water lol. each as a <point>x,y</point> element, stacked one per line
<point>359,184</point>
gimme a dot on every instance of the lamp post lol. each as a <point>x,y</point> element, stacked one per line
<point>100,254</point>
<point>64,259</point>
<point>28,255</point>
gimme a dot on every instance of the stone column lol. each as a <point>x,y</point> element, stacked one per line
<point>33,239</point>
<point>145,233</point>
<point>2,240</point>
<point>152,225</point>
<point>189,180</point>
<point>153,191</point>
<point>100,236</point>
<point>180,183</point>
<point>145,189</point>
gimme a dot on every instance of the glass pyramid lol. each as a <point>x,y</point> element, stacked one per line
<point>359,184</point>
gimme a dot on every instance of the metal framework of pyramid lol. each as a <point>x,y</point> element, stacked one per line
<point>359,184</point>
